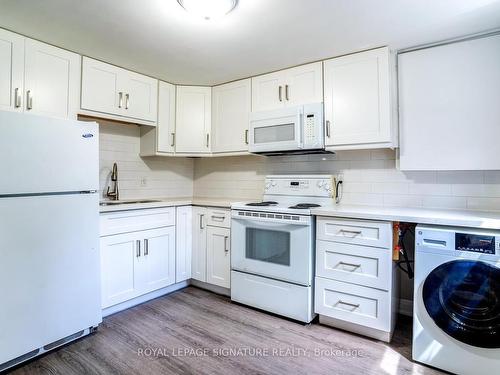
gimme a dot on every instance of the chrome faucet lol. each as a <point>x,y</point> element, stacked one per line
<point>114,195</point>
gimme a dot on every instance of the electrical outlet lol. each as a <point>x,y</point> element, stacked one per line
<point>144,182</point>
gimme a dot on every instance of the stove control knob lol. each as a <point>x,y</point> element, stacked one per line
<point>273,183</point>
<point>268,185</point>
<point>327,186</point>
<point>320,183</point>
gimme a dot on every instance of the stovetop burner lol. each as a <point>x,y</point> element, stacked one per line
<point>304,206</point>
<point>263,204</point>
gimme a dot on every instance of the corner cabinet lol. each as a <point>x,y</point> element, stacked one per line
<point>193,119</point>
<point>358,111</point>
<point>38,78</point>
<point>231,106</point>
<point>119,94</point>
<point>300,85</point>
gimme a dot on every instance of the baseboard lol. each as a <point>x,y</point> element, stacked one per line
<point>144,298</point>
<point>210,287</point>
<point>405,307</point>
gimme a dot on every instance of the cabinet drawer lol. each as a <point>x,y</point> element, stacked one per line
<point>359,232</point>
<point>353,303</point>
<point>134,220</point>
<point>219,218</point>
<point>363,265</point>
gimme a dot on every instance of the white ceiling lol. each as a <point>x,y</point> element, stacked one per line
<point>159,38</point>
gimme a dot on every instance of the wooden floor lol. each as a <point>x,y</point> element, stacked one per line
<point>194,331</point>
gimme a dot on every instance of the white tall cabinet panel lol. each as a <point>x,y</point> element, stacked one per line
<point>449,106</point>
<point>219,256</point>
<point>193,119</point>
<point>159,258</point>
<point>52,80</point>
<point>300,85</point>
<point>11,71</point>
<point>231,106</point>
<point>357,100</point>
<point>199,255</point>
<point>184,242</point>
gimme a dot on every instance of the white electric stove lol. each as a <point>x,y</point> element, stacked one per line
<point>272,244</point>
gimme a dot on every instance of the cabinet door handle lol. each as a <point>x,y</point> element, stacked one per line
<point>208,139</point>
<point>350,264</point>
<point>127,101</point>
<point>138,251</point>
<point>286,93</point>
<point>246,136</point>
<point>173,140</point>
<point>353,305</point>
<point>17,98</point>
<point>120,99</point>
<point>328,128</point>
<point>146,247</point>
<point>280,96</point>
<point>29,100</point>
<point>226,249</point>
<point>201,221</point>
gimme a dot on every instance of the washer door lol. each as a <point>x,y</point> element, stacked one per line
<point>463,299</point>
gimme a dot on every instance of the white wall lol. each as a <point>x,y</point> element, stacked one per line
<point>165,177</point>
<point>370,177</point>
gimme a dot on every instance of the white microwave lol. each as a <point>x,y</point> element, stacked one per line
<point>296,129</point>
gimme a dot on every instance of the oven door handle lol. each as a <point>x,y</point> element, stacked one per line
<point>271,223</point>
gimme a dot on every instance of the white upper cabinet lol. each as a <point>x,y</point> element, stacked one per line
<point>38,78</point>
<point>193,119</point>
<point>52,80</point>
<point>231,106</point>
<point>300,85</point>
<point>160,140</point>
<point>11,71</point>
<point>449,106</point>
<point>111,90</point>
<point>357,101</point>
<point>140,96</point>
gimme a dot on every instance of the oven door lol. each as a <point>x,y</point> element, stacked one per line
<point>277,130</point>
<point>273,248</point>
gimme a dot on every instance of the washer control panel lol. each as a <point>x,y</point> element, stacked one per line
<point>477,243</point>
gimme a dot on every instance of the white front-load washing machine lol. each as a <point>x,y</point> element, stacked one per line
<point>456,322</point>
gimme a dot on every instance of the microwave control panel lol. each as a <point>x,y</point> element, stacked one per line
<point>312,126</point>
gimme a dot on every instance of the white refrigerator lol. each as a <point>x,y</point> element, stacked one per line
<point>49,234</point>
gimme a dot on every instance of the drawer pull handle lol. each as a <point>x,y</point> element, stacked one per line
<point>353,305</point>
<point>218,218</point>
<point>353,232</point>
<point>350,264</point>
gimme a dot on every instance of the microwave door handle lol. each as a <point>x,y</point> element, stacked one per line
<point>300,127</point>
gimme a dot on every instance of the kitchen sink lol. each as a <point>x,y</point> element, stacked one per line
<point>114,203</point>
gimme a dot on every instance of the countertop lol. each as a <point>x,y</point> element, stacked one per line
<point>167,202</point>
<point>461,218</point>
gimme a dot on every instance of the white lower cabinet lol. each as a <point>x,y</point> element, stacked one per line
<point>354,284</point>
<point>133,264</point>
<point>218,256</point>
<point>211,258</point>
<point>199,255</point>
<point>184,243</point>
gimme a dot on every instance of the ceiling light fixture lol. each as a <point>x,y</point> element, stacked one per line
<point>208,9</point>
